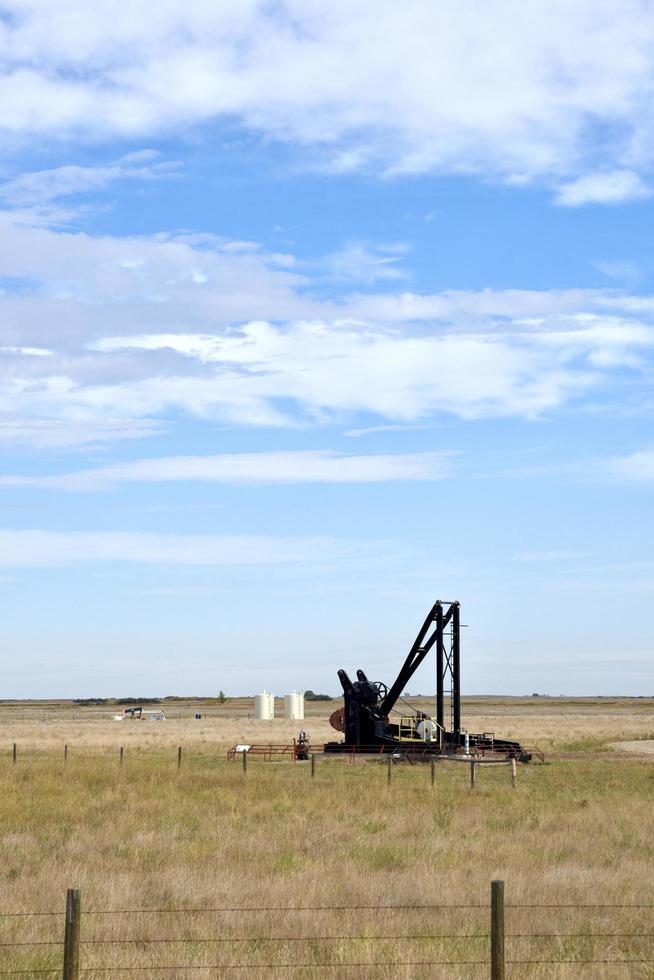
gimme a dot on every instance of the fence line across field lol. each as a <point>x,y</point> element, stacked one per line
<point>72,964</point>
<point>350,758</point>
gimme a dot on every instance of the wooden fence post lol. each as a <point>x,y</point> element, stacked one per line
<point>473,774</point>
<point>121,755</point>
<point>245,762</point>
<point>388,769</point>
<point>65,753</point>
<point>433,771</point>
<point>497,930</point>
<point>179,757</point>
<point>71,934</point>
<point>514,773</point>
<point>14,753</point>
<point>313,765</point>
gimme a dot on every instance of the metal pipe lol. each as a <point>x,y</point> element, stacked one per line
<point>440,708</point>
<point>456,674</point>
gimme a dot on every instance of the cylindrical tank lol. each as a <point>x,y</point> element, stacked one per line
<point>264,706</point>
<point>427,730</point>
<point>294,706</point>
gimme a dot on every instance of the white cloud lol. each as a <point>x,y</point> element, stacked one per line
<point>508,88</point>
<point>308,466</point>
<point>46,548</point>
<point>634,467</point>
<point>141,329</point>
<point>157,279</point>
<point>349,367</point>
<point>27,351</point>
<point>610,187</point>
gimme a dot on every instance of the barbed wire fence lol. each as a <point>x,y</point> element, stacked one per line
<point>86,946</point>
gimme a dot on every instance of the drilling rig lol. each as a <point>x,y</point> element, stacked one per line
<point>365,716</point>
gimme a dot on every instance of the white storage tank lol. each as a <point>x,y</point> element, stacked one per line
<point>264,706</point>
<point>294,706</point>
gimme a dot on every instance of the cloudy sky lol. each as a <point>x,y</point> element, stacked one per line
<point>312,313</point>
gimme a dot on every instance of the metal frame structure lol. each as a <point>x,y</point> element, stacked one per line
<point>367,704</point>
<point>442,627</point>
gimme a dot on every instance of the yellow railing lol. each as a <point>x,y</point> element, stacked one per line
<point>407,729</point>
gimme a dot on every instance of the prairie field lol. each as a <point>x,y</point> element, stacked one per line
<point>339,874</point>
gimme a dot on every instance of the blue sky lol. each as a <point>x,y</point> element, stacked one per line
<point>310,314</point>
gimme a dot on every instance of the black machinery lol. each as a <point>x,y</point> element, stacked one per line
<point>365,716</point>
<point>133,712</point>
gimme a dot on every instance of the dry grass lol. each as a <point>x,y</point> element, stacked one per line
<point>578,830</point>
<point>558,724</point>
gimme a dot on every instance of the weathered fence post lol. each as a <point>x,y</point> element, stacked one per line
<point>514,773</point>
<point>71,934</point>
<point>473,774</point>
<point>121,755</point>
<point>179,757</point>
<point>245,761</point>
<point>15,753</point>
<point>433,771</point>
<point>388,769</point>
<point>313,765</point>
<point>65,753</point>
<point>497,930</point>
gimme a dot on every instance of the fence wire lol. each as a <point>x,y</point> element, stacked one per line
<point>396,936</point>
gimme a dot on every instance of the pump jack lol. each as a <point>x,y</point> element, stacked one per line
<point>365,716</point>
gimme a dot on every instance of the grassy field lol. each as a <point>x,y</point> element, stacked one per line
<point>143,836</point>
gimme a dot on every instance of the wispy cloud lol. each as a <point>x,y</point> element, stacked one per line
<point>638,466</point>
<point>373,429</point>
<point>40,187</point>
<point>27,351</point>
<point>361,263</point>
<point>30,548</point>
<point>610,187</point>
<point>633,467</point>
<point>553,555</point>
<point>60,433</point>
<point>318,466</point>
<point>623,271</point>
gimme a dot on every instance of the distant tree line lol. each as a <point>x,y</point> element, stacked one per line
<point>221,699</point>
<point>87,702</point>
